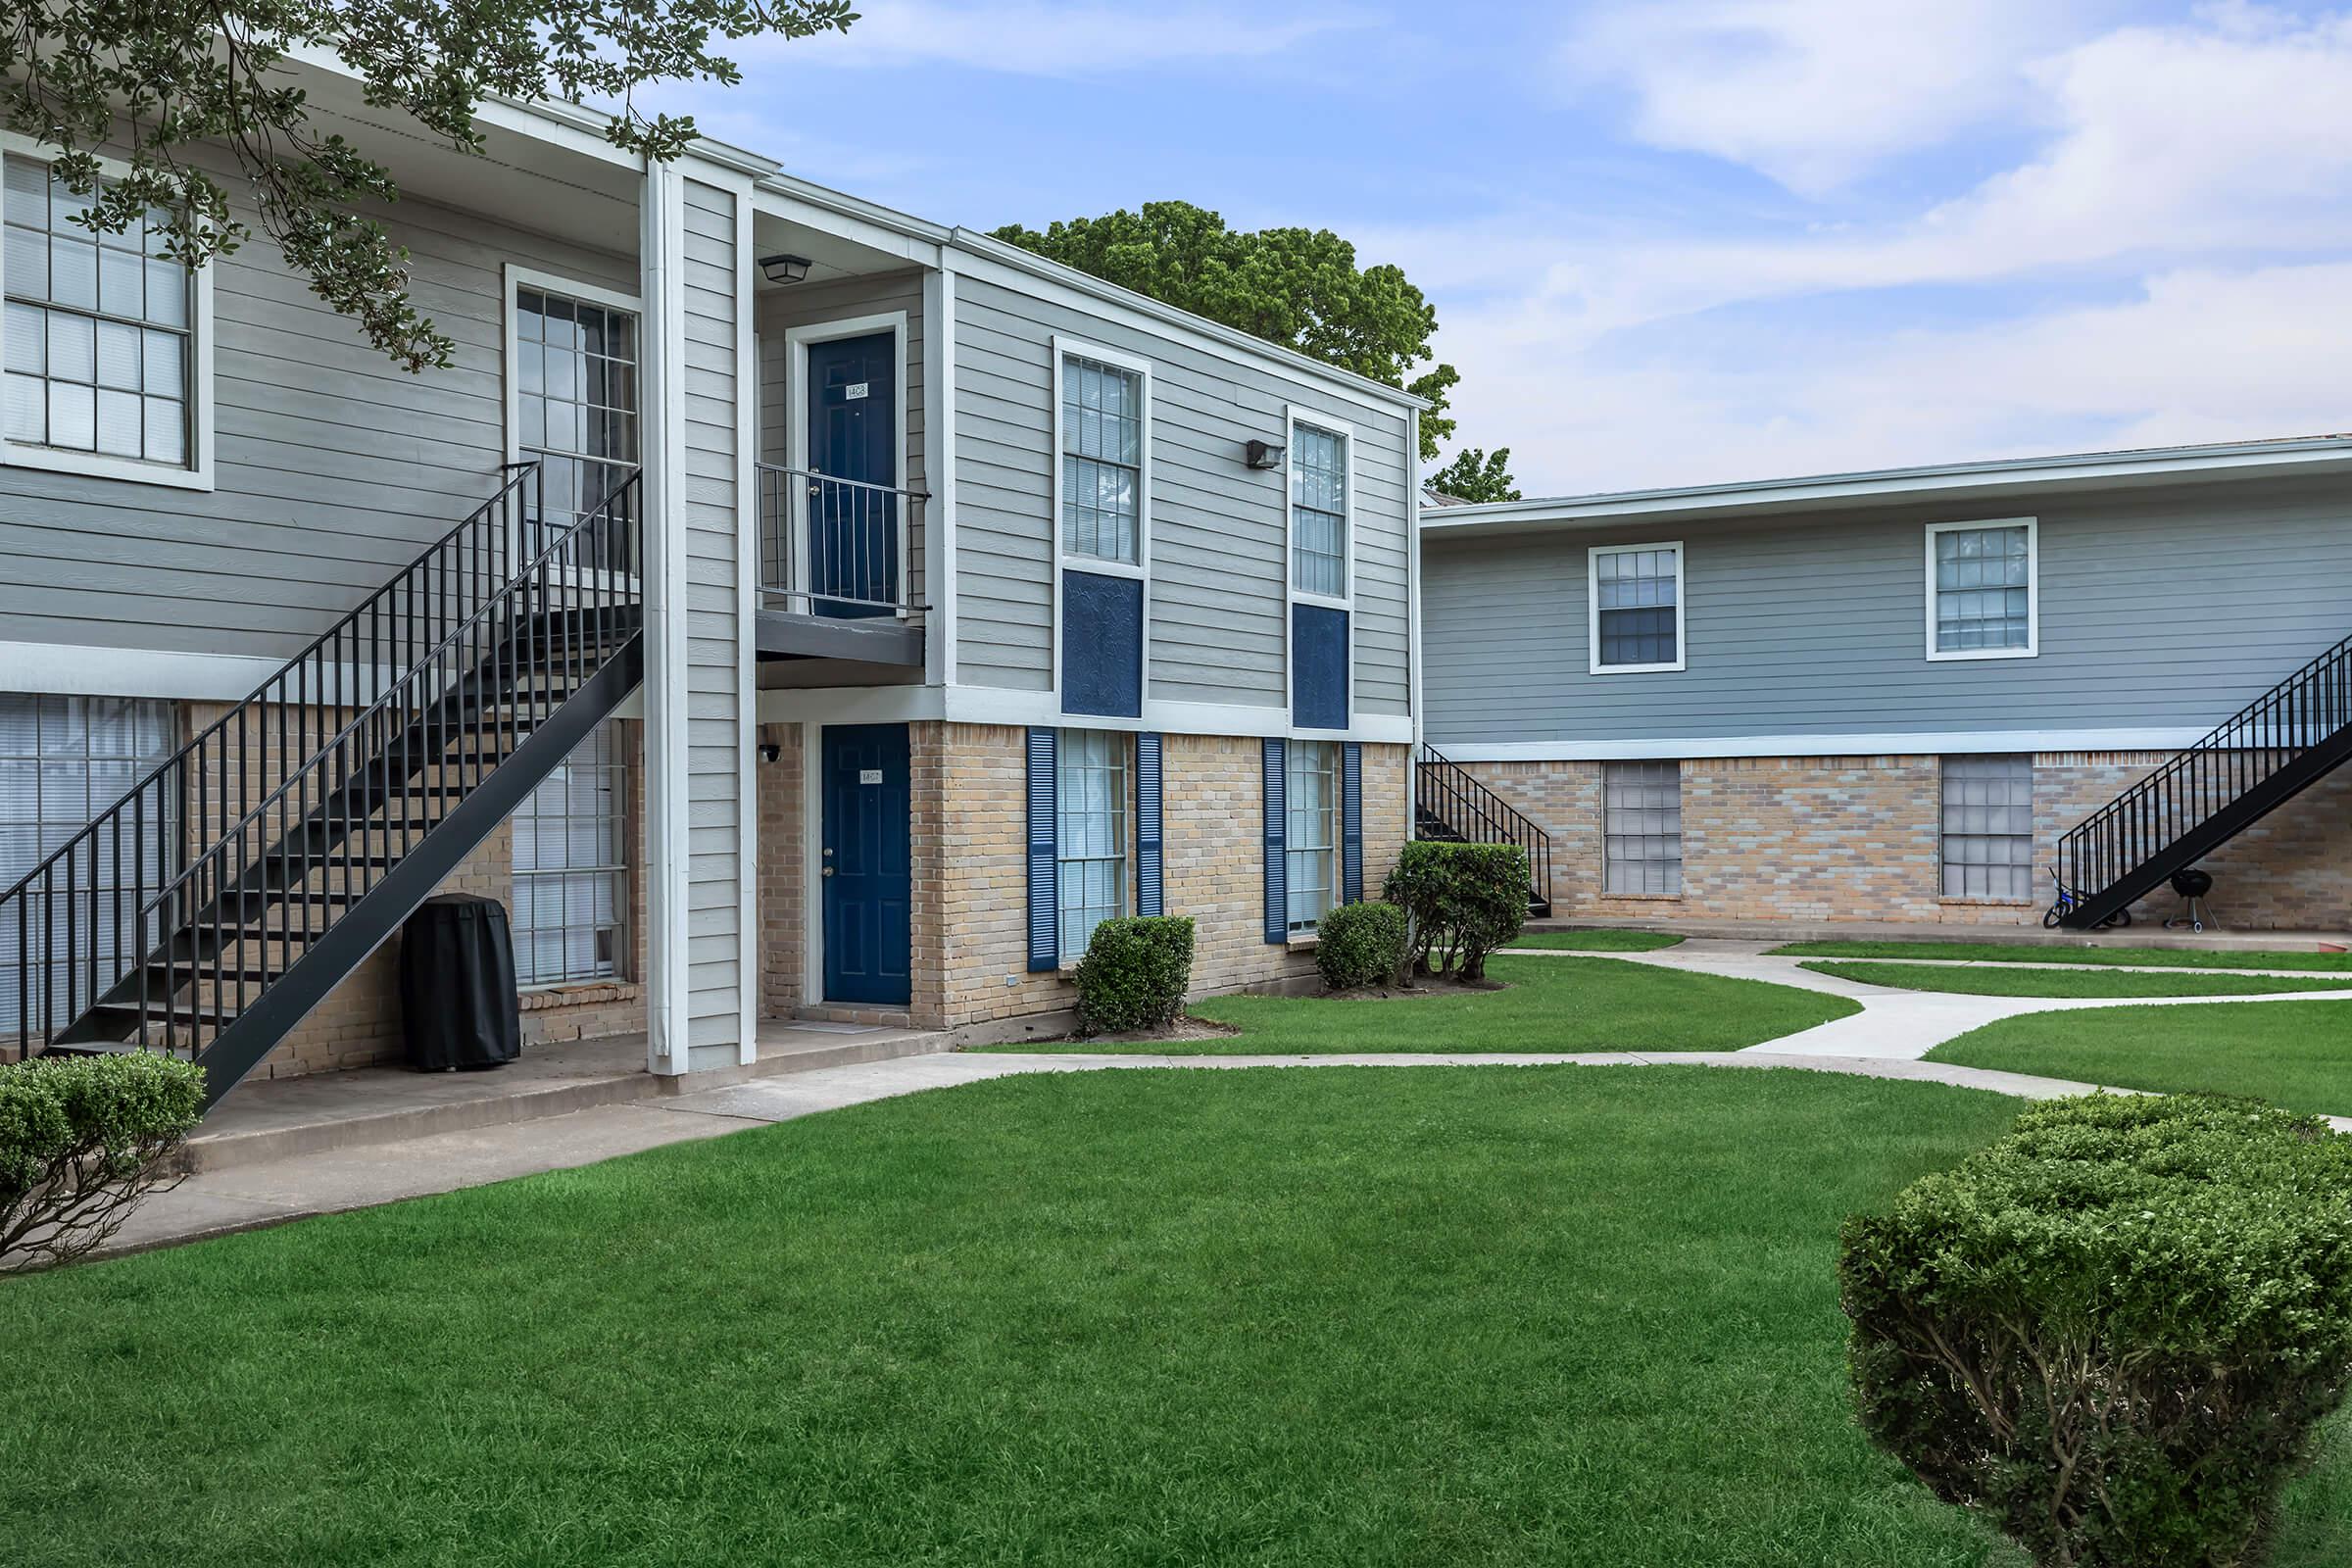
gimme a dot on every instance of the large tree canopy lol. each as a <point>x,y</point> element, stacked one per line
<point>1476,474</point>
<point>159,77</point>
<point>1298,288</point>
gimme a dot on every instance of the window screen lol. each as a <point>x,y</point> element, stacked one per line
<point>571,866</point>
<point>1310,830</point>
<point>98,336</point>
<point>1090,835</point>
<point>1983,588</point>
<point>63,760</point>
<point>1635,596</point>
<point>1643,810</point>
<point>1102,460</point>
<point>576,400</point>
<point>1319,512</point>
<point>1988,827</point>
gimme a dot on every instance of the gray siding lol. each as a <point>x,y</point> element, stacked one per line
<point>714,738</point>
<point>808,305</point>
<point>1218,572</point>
<point>2160,608</point>
<point>334,468</point>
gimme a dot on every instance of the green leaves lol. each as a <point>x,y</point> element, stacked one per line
<point>1475,474</point>
<point>1135,974</point>
<point>191,97</point>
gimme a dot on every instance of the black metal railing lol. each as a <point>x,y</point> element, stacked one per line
<point>2233,772</point>
<point>181,904</point>
<point>1447,795</point>
<point>835,547</point>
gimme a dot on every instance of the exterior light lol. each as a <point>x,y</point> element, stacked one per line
<point>784,268</point>
<point>1263,455</point>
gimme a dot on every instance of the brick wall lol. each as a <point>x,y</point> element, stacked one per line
<point>1858,838</point>
<point>783,934</point>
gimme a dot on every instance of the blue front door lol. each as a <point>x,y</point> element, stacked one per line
<point>864,867</point>
<point>853,447</point>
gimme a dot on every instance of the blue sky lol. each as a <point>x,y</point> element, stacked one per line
<point>1671,242</point>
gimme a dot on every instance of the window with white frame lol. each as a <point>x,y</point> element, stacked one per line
<point>1102,460</point>
<point>100,342</point>
<point>1310,831</point>
<point>1636,605</point>
<point>1318,512</point>
<point>63,760</point>
<point>1642,805</point>
<point>576,400</point>
<point>571,865</point>
<point>1981,590</point>
<point>1988,827</point>
<point>1090,833</point>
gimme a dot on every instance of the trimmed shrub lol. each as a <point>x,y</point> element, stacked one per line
<point>82,1139</point>
<point>1461,902</point>
<point>2117,1328</point>
<point>1135,974</point>
<point>1360,945</point>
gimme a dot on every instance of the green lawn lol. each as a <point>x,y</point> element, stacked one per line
<point>1361,1316</point>
<point>1991,982</point>
<point>1551,1005</point>
<point>1599,941</point>
<point>2028,952</point>
<point>2293,1053</point>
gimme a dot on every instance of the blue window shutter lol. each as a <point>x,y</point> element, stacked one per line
<point>1149,895</point>
<point>1352,823</point>
<point>1278,898</point>
<point>1045,898</point>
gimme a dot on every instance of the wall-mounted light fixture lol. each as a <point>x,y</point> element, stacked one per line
<point>770,752</point>
<point>1263,455</point>
<point>785,268</point>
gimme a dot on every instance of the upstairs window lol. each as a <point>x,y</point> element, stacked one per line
<point>1981,590</point>
<point>1318,512</point>
<point>100,338</point>
<point>1102,461</point>
<point>1636,608</point>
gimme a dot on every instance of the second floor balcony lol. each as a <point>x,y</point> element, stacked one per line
<point>838,568</point>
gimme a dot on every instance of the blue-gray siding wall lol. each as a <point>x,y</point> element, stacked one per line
<point>334,468</point>
<point>1218,601</point>
<point>2160,608</point>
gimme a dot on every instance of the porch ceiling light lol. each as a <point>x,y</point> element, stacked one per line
<point>785,268</point>
<point>1263,454</point>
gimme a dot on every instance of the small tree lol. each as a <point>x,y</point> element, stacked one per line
<point>1476,474</point>
<point>1461,902</point>
<point>82,1139</point>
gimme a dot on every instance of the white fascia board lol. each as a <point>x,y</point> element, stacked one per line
<point>991,705</point>
<point>785,192</point>
<point>1918,743</point>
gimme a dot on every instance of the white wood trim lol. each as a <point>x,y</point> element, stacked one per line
<point>995,704</point>
<point>812,857</point>
<point>747,626</point>
<point>1682,648</point>
<point>1877,743</point>
<point>797,340</point>
<point>1062,347</point>
<point>939,475</point>
<point>2032,648</point>
<point>662,440</point>
<point>203,348</point>
<point>517,276</point>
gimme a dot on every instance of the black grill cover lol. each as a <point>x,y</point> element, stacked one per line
<point>457,985</point>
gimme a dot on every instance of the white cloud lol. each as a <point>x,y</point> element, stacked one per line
<point>1035,39</point>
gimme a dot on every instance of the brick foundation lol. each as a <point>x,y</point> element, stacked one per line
<point>1857,838</point>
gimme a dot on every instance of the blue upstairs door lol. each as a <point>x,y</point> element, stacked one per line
<point>865,863</point>
<point>854,437</point>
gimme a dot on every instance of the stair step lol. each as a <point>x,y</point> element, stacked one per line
<point>126,1015</point>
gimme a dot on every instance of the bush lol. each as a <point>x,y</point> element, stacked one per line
<point>82,1139</point>
<point>1135,974</point>
<point>1461,902</point>
<point>1360,945</point>
<point>2116,1329</point>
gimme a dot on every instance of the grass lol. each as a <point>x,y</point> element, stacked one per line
<point>1991,982</point>
<point>1599,941</point>
<point>2027,953</point>
<point>1377,1316</point>
<point>1559,1004</point>
<point>2292,1054</point>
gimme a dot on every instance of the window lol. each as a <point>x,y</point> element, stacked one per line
<point>100,342</point>
<point>1641,805</point>
<point>1981,590</point>
<point>1636,605</point>
<point>1318,512</point>
<point>575,400</point>
<point>572,860</point>
<point>1310,831</point>
<point>63,760</point>
<point>1102,460</point>
<point>1090,833</point>
<point>1988,827</point>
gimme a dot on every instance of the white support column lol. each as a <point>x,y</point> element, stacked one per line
<point>662,438</point>
<point>747,626</point>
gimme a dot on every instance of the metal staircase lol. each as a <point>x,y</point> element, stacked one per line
<point>1452,806</point>
<point>2271,751</point>
<point>207,911</point>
